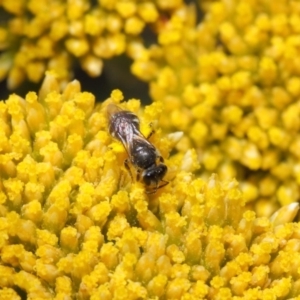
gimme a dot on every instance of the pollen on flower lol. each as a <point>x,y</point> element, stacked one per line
<point>63,285</point>
<point>175,254</point>
<point>52,154</point>
<point>157,285</point>
<point>72,227</point>
<point>177,287</point>
<point>33,211</point>
<point>134,26</point>
<point>117,227</point>
<point>46,237</point>
<point>99,212</point>
<point>35,71</point>
<point>126,8</point>
<point>8,293</point>
<point>120,202</point>
<point>109,255</point>
<point>285,214</point>
<point>117,95</point>
<point>86,197</point>
<point>93,25</point>
<point>69,238</point>
<point>92,65</point>
<point>98,31</point>
<point>148,11</point>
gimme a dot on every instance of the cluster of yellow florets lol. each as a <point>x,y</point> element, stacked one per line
<point>73,225</point>
<point>40,35</point>
<point>69,227</point>
<point>232,84</point>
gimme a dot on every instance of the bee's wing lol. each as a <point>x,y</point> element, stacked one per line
<point>127,138</point>
<point>112,108</point>
<point>129,132</point>
<point>133,139</point>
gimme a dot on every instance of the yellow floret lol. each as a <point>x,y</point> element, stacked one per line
<point>285,214</point>
<point>77,47</point>
<point>232,114</point>
<point>169,4</point>
<point>108,255</point>
<point>145,267</point>
<point>177,287</point>
<point>170,37</point>
<point>9,294</point>
<point>52,154</point>
<point>175,254</point>
<point>85,198</point>
<point>117,227</point>
<point>46,237</point>
<point>126,8</point>
<point>148,11</point>
<point>63,284</point>
<point>157,285</point>
<point>278,137</point>
<point>92,65</point>
<point>77,9</point>
<point>99,212</point>
<point>93,25</point>
<point>33,191</point>
<point>117,95</point>
<point>14,190</point>
<point>15,8</point>
<point>136,290</point>
<point>69,238</point>
<point>58,29</point>
<point>120,202</point>
<point>134,25</point>
<point>35,71</point>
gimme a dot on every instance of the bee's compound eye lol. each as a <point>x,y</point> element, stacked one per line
<point>161,170</point>
<point>154,174</point>
<point>148,176</point>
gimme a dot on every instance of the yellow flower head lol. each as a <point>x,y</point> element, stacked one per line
<point>231,84</point>
<point>42,35</point>
<point>73,222</point>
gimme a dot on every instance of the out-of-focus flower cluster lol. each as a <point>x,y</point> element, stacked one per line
<point>70,230</point>
<point>39,35</point>
<point>232,84</point>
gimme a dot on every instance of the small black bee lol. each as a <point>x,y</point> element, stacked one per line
<point>125,127</point>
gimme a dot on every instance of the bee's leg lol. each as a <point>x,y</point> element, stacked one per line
<point>151,132</point>
<point>126,164</point>
<point>122,180</point>
<point>165,182</point>
<point>153,191</point>
<point>138,175</point>
<point>123,175</point>
<point>161,159</point>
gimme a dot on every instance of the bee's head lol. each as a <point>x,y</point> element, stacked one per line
<point>153,175</point>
